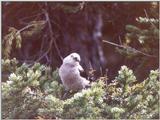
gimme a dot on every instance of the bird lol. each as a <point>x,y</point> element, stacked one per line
<point>69,73</point>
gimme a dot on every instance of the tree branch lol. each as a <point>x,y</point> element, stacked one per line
<point>53,40</point>
<point>26,27</point>
<point>148,18</point>
<point>130,48</point>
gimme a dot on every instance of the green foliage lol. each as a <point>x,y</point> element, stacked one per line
<point>35,91</point>
<point>14,36</point>
<point>144,36</point>
<point>85,104</point>
<point>33,28</point>
<point>141,43</point>
<point>134,100</point>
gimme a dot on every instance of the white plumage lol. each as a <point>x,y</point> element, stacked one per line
<point>70,73</point>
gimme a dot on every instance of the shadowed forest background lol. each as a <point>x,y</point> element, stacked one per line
<point>107,35</point>
<point>62,28</point>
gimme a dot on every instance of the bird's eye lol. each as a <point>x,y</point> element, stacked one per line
<point>76,59</point>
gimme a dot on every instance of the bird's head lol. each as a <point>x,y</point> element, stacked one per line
<point>73,58</point>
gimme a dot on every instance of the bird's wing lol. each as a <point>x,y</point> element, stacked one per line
<point>80,68</point>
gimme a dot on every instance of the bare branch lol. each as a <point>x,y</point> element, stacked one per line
<point>26,27</point>
<point>130,48</point>
<point>51,33</point>
<point>53,40</point>
<point>35,15</point>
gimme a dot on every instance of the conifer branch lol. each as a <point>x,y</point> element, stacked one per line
<point>148,18</point>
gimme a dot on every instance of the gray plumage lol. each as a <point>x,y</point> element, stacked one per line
<point>70,73</point>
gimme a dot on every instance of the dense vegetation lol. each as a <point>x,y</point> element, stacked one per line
<point>119,47</point>
<point>36,92</point>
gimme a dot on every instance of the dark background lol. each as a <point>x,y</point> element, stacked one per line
<point>77,27</point>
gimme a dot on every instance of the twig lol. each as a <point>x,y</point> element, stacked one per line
<point>47,58</point>
<point>146,13</point>
<point>120,40</point>
<point>90,65</point>
<point>113,43</point>
<point>58,26</point>
<point>35,15</point>
<point>130,48</point>
<point>51,33</point>
<point>51,36</point>
<point>26,27</point>
<point>148,18</point>
<point>44,39</point>
<point>22,21</point>
<point>101,71</point>
<point>43,55</point>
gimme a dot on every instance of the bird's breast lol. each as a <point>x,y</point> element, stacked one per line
<point>69,72</point>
